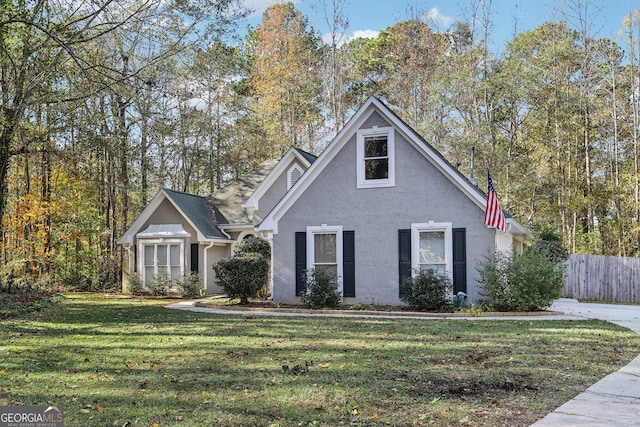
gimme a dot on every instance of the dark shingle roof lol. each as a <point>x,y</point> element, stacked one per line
<point>197,211</point>
<point>229,199</point>
<point>308,156</point>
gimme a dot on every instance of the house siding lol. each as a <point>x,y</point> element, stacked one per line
<point>421,194</point>
<point>273,195</point>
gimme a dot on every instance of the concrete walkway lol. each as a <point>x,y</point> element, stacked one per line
<point>613,401</point>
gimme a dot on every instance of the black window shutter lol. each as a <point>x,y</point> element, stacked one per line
<point>194,257</point>
<point>459,260</point>
<point>404,256</point>
<point>301,260</point>
<point>135,258</point>
<point>348,264</point>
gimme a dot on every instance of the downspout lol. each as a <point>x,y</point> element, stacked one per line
<point>268,236</point>
<point>122,285</point>
<point>205,269</point>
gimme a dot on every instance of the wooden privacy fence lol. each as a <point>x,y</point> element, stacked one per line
<point>603,278</point>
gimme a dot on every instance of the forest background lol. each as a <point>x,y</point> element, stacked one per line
<point>103,102</point>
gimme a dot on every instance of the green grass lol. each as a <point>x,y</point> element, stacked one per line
<point>114,361</point>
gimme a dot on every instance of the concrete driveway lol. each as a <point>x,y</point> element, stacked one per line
<point>613,401</point>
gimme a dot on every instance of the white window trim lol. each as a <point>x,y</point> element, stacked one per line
<point>148,242</point>
<point>416,229</point>
<point>325,229</point>
<point>293,168</point>
<point>375,183</point>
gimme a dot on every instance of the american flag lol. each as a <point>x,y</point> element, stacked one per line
<point>493,215</point>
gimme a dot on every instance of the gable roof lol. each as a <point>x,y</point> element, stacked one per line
<point>304,158</point>
<point>228,201</point>
<point>194,209</point>
<point>372,104</point>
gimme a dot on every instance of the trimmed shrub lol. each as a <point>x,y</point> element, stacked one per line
<point>428,290</point>
<point>189,285</point>
<point>256,245</point>
<point>320,290</point>
<point>522,282</point>
<point>253,245</point>
<point>242,276</point>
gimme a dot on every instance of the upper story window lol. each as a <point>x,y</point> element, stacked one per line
<point>376,159</point>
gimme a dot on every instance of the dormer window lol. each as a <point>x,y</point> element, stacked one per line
<point>293,175</point>
<point>376,160</point>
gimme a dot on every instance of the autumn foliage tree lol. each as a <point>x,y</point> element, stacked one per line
<point>284,79</point>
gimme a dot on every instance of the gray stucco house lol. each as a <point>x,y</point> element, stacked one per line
<point>378,204</point>
<point>375,206</point>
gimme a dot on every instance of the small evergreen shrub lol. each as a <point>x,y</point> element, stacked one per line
<point>253,245</point>
<point>522,282</point>
<point>160,285</point>
<point>427,291</point>
<point>242,276</point>
<point>134,284</point>
<point>189,285</point>
<point>256,245</point>
<point>320,290</point>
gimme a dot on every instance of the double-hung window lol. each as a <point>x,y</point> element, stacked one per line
<point>431,248</point>
<point>324,250</point>
<point>376,157</point>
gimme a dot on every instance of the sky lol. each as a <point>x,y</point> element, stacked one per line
<point>368,17</point>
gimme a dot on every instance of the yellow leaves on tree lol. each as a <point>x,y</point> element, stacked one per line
<point>284,78</point>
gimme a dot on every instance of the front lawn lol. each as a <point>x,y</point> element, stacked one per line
<point>115,361</point>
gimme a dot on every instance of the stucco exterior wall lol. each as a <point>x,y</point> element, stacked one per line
<point>215,254</point>
<point>273,195</point>
<point>421,194</point>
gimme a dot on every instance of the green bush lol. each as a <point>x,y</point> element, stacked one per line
<point>242,276</point>
<point>428,290</point>
<point>253,245</point>
<point>189,285</point>
<point>134,284</point>
<point>320,290</point>
<point>160,285</point>
<point>256,245</point>
<point>522,282</point>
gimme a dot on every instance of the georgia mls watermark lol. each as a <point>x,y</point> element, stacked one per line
<point>31,416</point>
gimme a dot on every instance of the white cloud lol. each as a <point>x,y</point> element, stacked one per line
<point>434,16</point>
<point>345,38</point>
<point>365,34</point>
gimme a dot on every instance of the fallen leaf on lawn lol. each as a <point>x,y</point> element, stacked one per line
<point>374,417</point>
<point>3,372</point>
<point>354,411</point>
